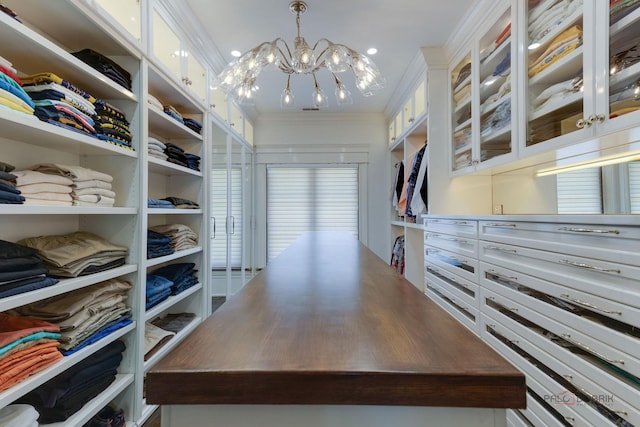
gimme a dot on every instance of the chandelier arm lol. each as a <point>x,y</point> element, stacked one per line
<point>284,64</point>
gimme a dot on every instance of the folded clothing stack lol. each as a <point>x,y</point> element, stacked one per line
<point>109,416</point>
<point>173,113</point>
<point>181,275</point>
<point>105,66</point>
<point>193,125</point>
<point>18,414</point>
<point>77,254</point>
<point>156,148</point>
<point>112,125</point>
<point>9,191</point>
<point>158,245</point>
<point>618,9</point>
<point>565,43</point>
<point>548,15</point>
<point>12,95</point>
<point>180,203</point>
<point>44,189</point>
<point>155,102</point>
<point>177,155</point>
<point>61,397</point>
<point>159,204</point>
<point>90,187</point>
<point>21,270</point>
<point>59,102</point>
<point>162,329</point>
<point>158,289</point>
<point>84,316</point>
<point>27,346</point>
<point>182,237</point>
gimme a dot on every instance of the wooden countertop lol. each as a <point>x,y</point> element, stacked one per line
<point>329,322</point>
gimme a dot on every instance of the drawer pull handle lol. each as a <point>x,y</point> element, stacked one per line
<point>589,305</point>
<point>501,276</point>
<point>438,221</point>
<point>435,251</point>
<point>501,224</point>
<point>501,249</point>
<point>588,230</point>
<point>588,349</point>
<point>580,389</point>
<point>589,267</point>
<point>463,261</point>
<point>452,239</point>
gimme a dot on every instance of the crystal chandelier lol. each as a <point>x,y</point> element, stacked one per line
<point>238,78</point>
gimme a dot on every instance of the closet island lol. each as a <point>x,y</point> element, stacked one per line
<point>327,335</point>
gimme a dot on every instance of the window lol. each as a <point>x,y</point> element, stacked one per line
<point>313,198</point>
<point>579,192</point>
<point>219,216</point>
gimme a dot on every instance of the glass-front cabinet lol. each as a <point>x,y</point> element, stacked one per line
<point>583,69</point>
<point>127,13</point>
<point>554,69</point>
<point>494,88</point>
<point>461,118</point>
<point>623,62</point>
<point>178,58</point>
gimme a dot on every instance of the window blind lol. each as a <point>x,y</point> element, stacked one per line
<point>219,216</point>
<point>313,198</point>
<point>579,192</point>
<point>634,186</point>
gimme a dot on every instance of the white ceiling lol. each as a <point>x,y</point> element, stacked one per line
<point>397,28</point>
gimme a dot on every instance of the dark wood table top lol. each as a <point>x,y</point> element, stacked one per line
<point>329,322</point>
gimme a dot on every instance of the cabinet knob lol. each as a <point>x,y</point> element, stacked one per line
<point>583,123</point>
<point>212,105</point>
<point>596,118</point>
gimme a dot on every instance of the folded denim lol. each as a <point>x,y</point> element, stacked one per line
<point>6,195</point>
<point>101,333</point>
<point>159,203</point>
<point>11,276</point>
<point>157,299</point>
<point>156,284</point>
<point>28,287</point>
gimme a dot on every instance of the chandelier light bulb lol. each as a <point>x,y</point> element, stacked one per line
<point>238,78</point>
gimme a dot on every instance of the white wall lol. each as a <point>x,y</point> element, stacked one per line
<point>316,137</point>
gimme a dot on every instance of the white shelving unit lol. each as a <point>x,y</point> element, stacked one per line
<point>50,30</point>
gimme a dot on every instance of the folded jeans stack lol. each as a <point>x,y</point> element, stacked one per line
<point>173,113</point>
<point>182,237</point>
<point>159,204</point>
<point>21,270</point>
<point>12,95</point>
<point>156,148</point>
<point>158,245</point>
<point>181,275</point>
<point>84,316</point>
<point>90,187</point>
<point>105,66</point>
<point>9,193</point>
<point>158,289</point>
<point>61,397</point>
<point>180,157</point>
<point>77,254</point>
<point>193,125</point>
<point>27,346</point>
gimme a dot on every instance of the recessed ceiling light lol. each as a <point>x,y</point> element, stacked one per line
<point>372,51</point>
<point>236,53</point>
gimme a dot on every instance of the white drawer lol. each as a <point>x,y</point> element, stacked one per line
<point>538,414</point>
<point>461,288</point>
<point>616,310</point>
<point>462,245</point>
<point>612,243</point>
<point>461,311</point>
<point>537,381</point>
<point>621,350</point>
<point>617,282</point>
<point>611,391</point>
<point>575,413</point>
<point>455,227</point>
<point>461,265</point>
